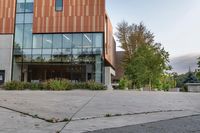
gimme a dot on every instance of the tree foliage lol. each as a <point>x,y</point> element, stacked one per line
<point>144,61</point>
<point>132,36</point>
<point>198,72</point>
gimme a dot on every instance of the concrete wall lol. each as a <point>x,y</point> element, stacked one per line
<point>193,88</point>
<point>109,72</point>
<point>6,45</point>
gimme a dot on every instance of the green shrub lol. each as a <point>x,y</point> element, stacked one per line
<point>123,83</point>
<point>54,85</point>
<point>15,85</point>
<point>57,85</point>
<point>35,86</point>
<point>91,85</point>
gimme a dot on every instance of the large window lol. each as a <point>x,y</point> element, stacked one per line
<point>28,36</point>
<point>47,41</point>
<point>24,6</point>
<point>29,6</point>
<point>77,40</point>
<point>20,18</point>
<point>28,18</point>
<point>59,5</point>
<point>57,41</point>
<point>98,39</point>
<point>87,40</point>
<point>37,41</point>
<point>19,29</point>
<point>67,40</point>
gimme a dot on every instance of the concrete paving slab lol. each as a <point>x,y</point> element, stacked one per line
<point>45,104</point>
<point>92,106</point>
<point>122,102</point>
<point>120,121</point>
<point>12,122</point>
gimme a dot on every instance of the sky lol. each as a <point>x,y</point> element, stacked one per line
<point>175,23</point>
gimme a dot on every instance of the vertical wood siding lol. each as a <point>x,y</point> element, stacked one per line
<point>7,16</point>
<point>110,45</point>
<point>77,16</point>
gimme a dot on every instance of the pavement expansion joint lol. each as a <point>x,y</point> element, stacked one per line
<point>83,106</point>
<point>126,114</point>
<point>52,120</point>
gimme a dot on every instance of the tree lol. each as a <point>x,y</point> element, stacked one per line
<point>144,61</point>
<point>131,36</point>
<point>198,72</point>
<point>147,65</point>
<point>190,78</point>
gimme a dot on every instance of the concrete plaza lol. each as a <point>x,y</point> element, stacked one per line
<point>83,111</point>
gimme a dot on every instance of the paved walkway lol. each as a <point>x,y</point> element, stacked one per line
<point>83,111</point>
<point>190,124</point>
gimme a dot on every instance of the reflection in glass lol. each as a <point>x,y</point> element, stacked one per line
<point>77,40</point>
<point>20,18</point>
<point>46,58</point>
<point>28,36</point>
<point>18,58</point>
<point>87,51</point>
<point>46,51</point>
<point>98,65</point>
<point>19,28</point>
<point>76,58</point>
<point>57,51</point>
<point>29,6</point>
<point>66,58</point>
<point>36,58</point>
<point>98,39</point>
<point>76,51</point>
<point>59,5</point>
<point>28,18</point>
<point>97,51</point>
<point>66,51</point>
<point>26,51</point>
<point>56,58</point>
<point>18,51</point>
<point>20,7</point>
<point>47,41</point>
<point>57,41</point>
<point>67,40</point>
<point>37,41</point>
<point>27,58</point>
<point>87,40</point>
<point>37,51</point>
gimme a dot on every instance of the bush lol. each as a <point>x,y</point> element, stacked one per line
<point>54,85</point>
<point>58,84</point>
<point>123,83</point>
<point>15,85</point>
<point>90,85</point>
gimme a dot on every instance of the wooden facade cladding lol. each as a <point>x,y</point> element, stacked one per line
<point>110,44</point>
<point>76,16</point>
<point>7,16</point>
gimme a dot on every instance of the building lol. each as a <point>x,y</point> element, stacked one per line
<point>47,39</point>
<point>119,67</point>
<point>193,87</point>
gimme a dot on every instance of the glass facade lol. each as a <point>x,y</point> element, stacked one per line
<point>75,56</point>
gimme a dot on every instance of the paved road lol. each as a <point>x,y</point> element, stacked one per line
<point>190,124</point>
<point>49,112</point>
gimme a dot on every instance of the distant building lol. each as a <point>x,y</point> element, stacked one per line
<point>119,68</point>
<point>193,87</point>
<point>47,39</point>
